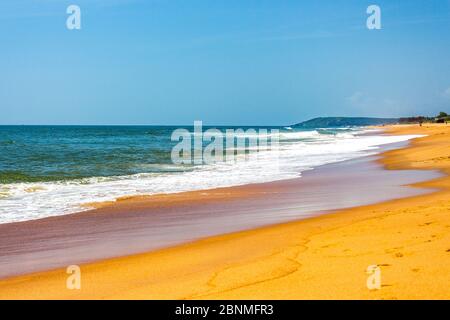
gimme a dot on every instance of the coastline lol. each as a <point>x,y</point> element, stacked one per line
<point>35,191</point>
<point>142,224</point>
<point>322,257</point>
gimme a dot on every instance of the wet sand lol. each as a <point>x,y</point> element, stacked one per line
<point>320,257</point>
<point>142,224</point>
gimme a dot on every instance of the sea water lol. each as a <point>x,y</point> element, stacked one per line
<point>54,170</point>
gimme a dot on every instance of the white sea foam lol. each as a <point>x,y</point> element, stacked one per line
<point>298,151</point>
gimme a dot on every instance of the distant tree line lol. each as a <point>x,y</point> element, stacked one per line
<point>442,117</point>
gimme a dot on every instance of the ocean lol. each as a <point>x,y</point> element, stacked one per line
<point>54,170</point>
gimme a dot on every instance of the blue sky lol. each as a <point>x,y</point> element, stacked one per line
<point>242,62</point>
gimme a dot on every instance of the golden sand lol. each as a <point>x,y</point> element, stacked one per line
<point>319,258</point>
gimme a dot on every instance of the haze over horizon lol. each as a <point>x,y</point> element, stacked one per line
<point>169,62</point>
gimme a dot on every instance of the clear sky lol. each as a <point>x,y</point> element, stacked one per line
<point>221,61</point>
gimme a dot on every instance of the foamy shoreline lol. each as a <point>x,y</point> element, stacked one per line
<point>321,258</point>
<point>143,224</point>
<point>30,201</point>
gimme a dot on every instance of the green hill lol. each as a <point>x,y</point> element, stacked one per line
<point>328,122</point>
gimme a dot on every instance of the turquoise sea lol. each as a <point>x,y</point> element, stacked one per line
<point>53,170</point>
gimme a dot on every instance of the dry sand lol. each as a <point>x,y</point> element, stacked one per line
<point>319,258</point>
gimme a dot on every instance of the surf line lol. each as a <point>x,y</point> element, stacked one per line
<point>231,145</point>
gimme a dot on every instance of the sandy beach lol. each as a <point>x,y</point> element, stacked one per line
<point>323,257</point>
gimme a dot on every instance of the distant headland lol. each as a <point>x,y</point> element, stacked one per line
<point>327,122</point>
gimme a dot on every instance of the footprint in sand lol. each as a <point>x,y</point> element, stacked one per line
<point>426,224</point>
